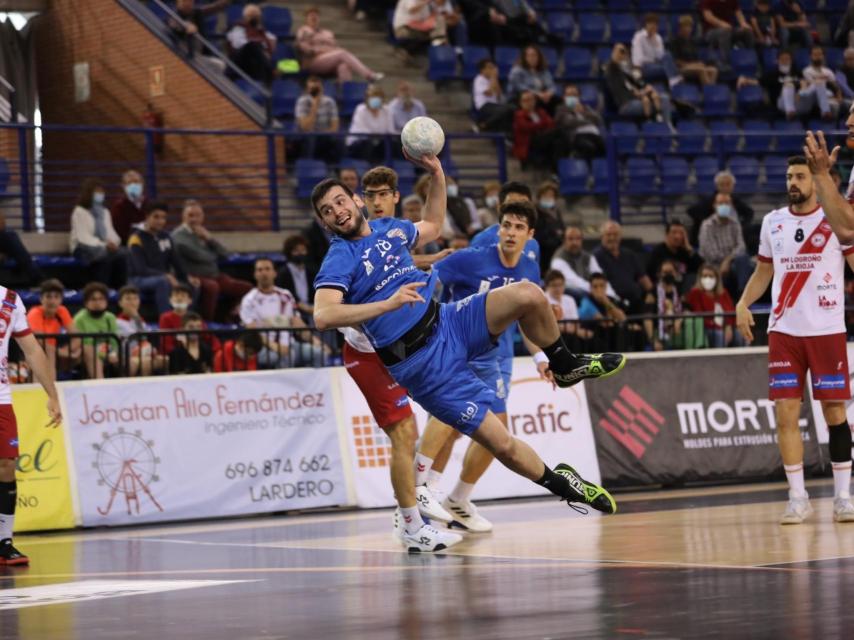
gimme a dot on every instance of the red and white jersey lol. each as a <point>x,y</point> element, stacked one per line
<point>273,309</point>
<point>13,324</point>
<point>808,292</point>
<point>356,339</point>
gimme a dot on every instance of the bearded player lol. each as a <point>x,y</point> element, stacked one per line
<point>799,252</point>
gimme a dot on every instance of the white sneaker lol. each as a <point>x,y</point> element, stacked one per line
<point>796,511</point>
<point>843,510</point>
<point>429,506</point>
<point>466,515</point>
<point>429,539</point>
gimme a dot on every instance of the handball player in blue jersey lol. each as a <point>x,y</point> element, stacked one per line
<point>512,191</point>
<point>467,272</point>
<point>368,279</point>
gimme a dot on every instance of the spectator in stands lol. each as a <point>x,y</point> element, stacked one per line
<point>792,23</point>
<point>764,24</point>
<point>154,267</point>
<point>320,54</point>
<point>180,299</point>
<point>297,274</point>
<point>461,210</point>
<point>724,25</point>
<point>677,250</point>
<point>722,244</point>
<point>455,26</point>
<point>270,306</point>
<point>52,317</point>
<point>533,134</point>
<point>845,78</point>
<point>709,295</point>
<point>192,22</point>
<point>492,111</point>
<point>649,55</point>
<point>622,268</point>
<point>820,90</point>
<point>93,240</point>
<point>579,126</point>
<point>549,229</point>
<point>404,107</point>
<point>417,24</point>
<point>143,357</point>
<point>239,355</point>
<point>412,208</point>
<point>724,184</point>
<point>531,73</point>
<point>101,354</point>
<point>598,306</point>
<point>318,240</point>
<point>370,117</point>
<point>199,253</point>
<point>686,53</point>
<point>781,82</point>
<point>127,211</point>
<point>631,95</point>
<point>511,22</point>
<point>251,46</point>
<point>191,354</point>
<point>843,35</point>
<point>487,213</point>
<point>664,301</point>
<point>13,249</point>
<point>576,265</point>
<point>351,178</point>
<point>317,113</point>
<point>564,306</point>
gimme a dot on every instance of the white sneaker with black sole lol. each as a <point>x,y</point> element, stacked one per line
<point>465,515</point>
<point>429,507</point>
<point>427,539</point>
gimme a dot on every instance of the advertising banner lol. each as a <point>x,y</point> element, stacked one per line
<point>44,485</point>
<point>677,418</point>
<point>204,446</point>
<point>554,422</point>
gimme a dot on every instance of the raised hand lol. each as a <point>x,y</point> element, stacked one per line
<point>429,163</point>
<point>815,150</point>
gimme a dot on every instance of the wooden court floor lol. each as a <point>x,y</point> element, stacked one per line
<point>709,563</point>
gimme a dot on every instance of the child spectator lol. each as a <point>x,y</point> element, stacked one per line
<point>191,354</point>
<point>52,317</point>
<point>240,354</point>
<point>180,299</point>
<point>563,305</point>
<point>100,355</point>
<point>144,358</point>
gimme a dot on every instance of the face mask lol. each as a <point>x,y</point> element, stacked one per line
<point>708,282</point>
<point>179,306</point>
<point>723,210</point>
<point>254,22</point>
<point>626,66</point>
<point>668,279</point>
<point>785,68</point>
<point>300,259</point>
<point>547,204</point>
<point>98,197</point>
<point>817,63</point>
<point>314,91</point>
<point>571,101</point>
<point>375,102</point>
<point>96,313</point>
<point>133,190</point>
<point>453,190</point>
<point>491,201</point>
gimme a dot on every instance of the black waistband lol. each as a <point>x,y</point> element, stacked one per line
<point>412,340</point>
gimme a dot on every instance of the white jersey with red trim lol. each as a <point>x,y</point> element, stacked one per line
<point>13,324</point>
<point>808,291</point>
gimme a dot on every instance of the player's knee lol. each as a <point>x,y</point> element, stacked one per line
<point>504,449</point>
<point>403,434</point>
<point>530,296</point>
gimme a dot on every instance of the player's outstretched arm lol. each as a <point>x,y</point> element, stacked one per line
<point>433,214</point>
<point>838,211</point>
<point>331,313</point>
<point>759,281</point>
<point>43,373</point>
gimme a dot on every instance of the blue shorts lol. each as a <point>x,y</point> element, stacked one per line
<point>496,374</point>
<point>438,376</point>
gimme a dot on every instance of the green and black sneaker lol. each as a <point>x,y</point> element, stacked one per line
<point>591,365</point>
<point>589,494</point>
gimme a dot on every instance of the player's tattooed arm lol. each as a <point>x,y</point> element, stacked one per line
<point>837,209</point>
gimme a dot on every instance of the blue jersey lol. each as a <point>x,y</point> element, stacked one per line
<point>371,269</point>
<point>489,237</point>
<point>479,269</point>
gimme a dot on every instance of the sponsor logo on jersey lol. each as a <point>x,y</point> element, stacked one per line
<point>779,364</point>
<point>402,401</point>
<point>468,414</point>
<point>396,233</point>
<point>825,303</point>
<point>818,241</point>
<point>777,229</point>
<point>783,381</point>
<point>835,381</point>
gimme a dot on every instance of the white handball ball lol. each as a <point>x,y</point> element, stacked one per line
<point>422,136</point>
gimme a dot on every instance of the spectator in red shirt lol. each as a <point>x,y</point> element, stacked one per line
<point>51,316</point>
<point>725,25</point>
<point>533,133</point>
<point>240,354</point>
<point>709,295</point>
<point>180,299</point>
<point>127,210</point>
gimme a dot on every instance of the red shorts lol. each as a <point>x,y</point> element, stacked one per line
<point>8,432</point>
<point>387,400</point>
<point>789,357</point>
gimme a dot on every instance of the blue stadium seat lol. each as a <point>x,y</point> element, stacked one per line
<point>158,11</point>
<point>769,58</point>
<point>352,94</point>
<point>577,63</point>
<point>623,27</point>
<point>442,63</point>
<point>552,5</point>
<point>775,173</point>
<point>761,139</point>
<point>789,143</point>
<point>284,51</point>
<point>705,168</point>
<point>573,175</point>
<point>653,142</point>
<point>405,175</point>
<point>602,57</point>
<point>627,136</point>
<point>308,173</point>
<point>687,92</point>
<point>746,172</point>
<point>233,15</point>
<point>560,24</point>
<point>682,6</point>
<point>836,5</point>
<point>750,99</point>
<point>590,96</point>
<point>591,28</point>
<point>833,57</point>
<point>641,176</point>
<point>622,5</point>
<point>744,62</point>
<point>253,91</point>
<point>505,58</point>
<point>650,6</point>
<point>472,54</point>
<point>601,175</point>
<point>801,57</point>
<point>277,20</point>
<point>692,137</point>
<point>717,100</point>
<point>361,166</point>
<point>587,5</point>
<point>285,94</point>
<point>726,133</point>
<point>674,175</point>
<point>552,59</point>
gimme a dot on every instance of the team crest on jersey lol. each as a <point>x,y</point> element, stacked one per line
<point>396,233</point>
<point>818,241</point>
<point>777,229</point>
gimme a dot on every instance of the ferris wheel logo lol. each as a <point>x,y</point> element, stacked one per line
<point>127,464</point>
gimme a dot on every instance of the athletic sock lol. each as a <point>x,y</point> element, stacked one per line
<point>561,359</point>
<point>795,476</point>
<point>8,497</point>
<point>412,520</point>
<point>423,465</point>
<point>461,492</point>
<point>556,483</point>
<point>433,479</point>
<point>840,458</point>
